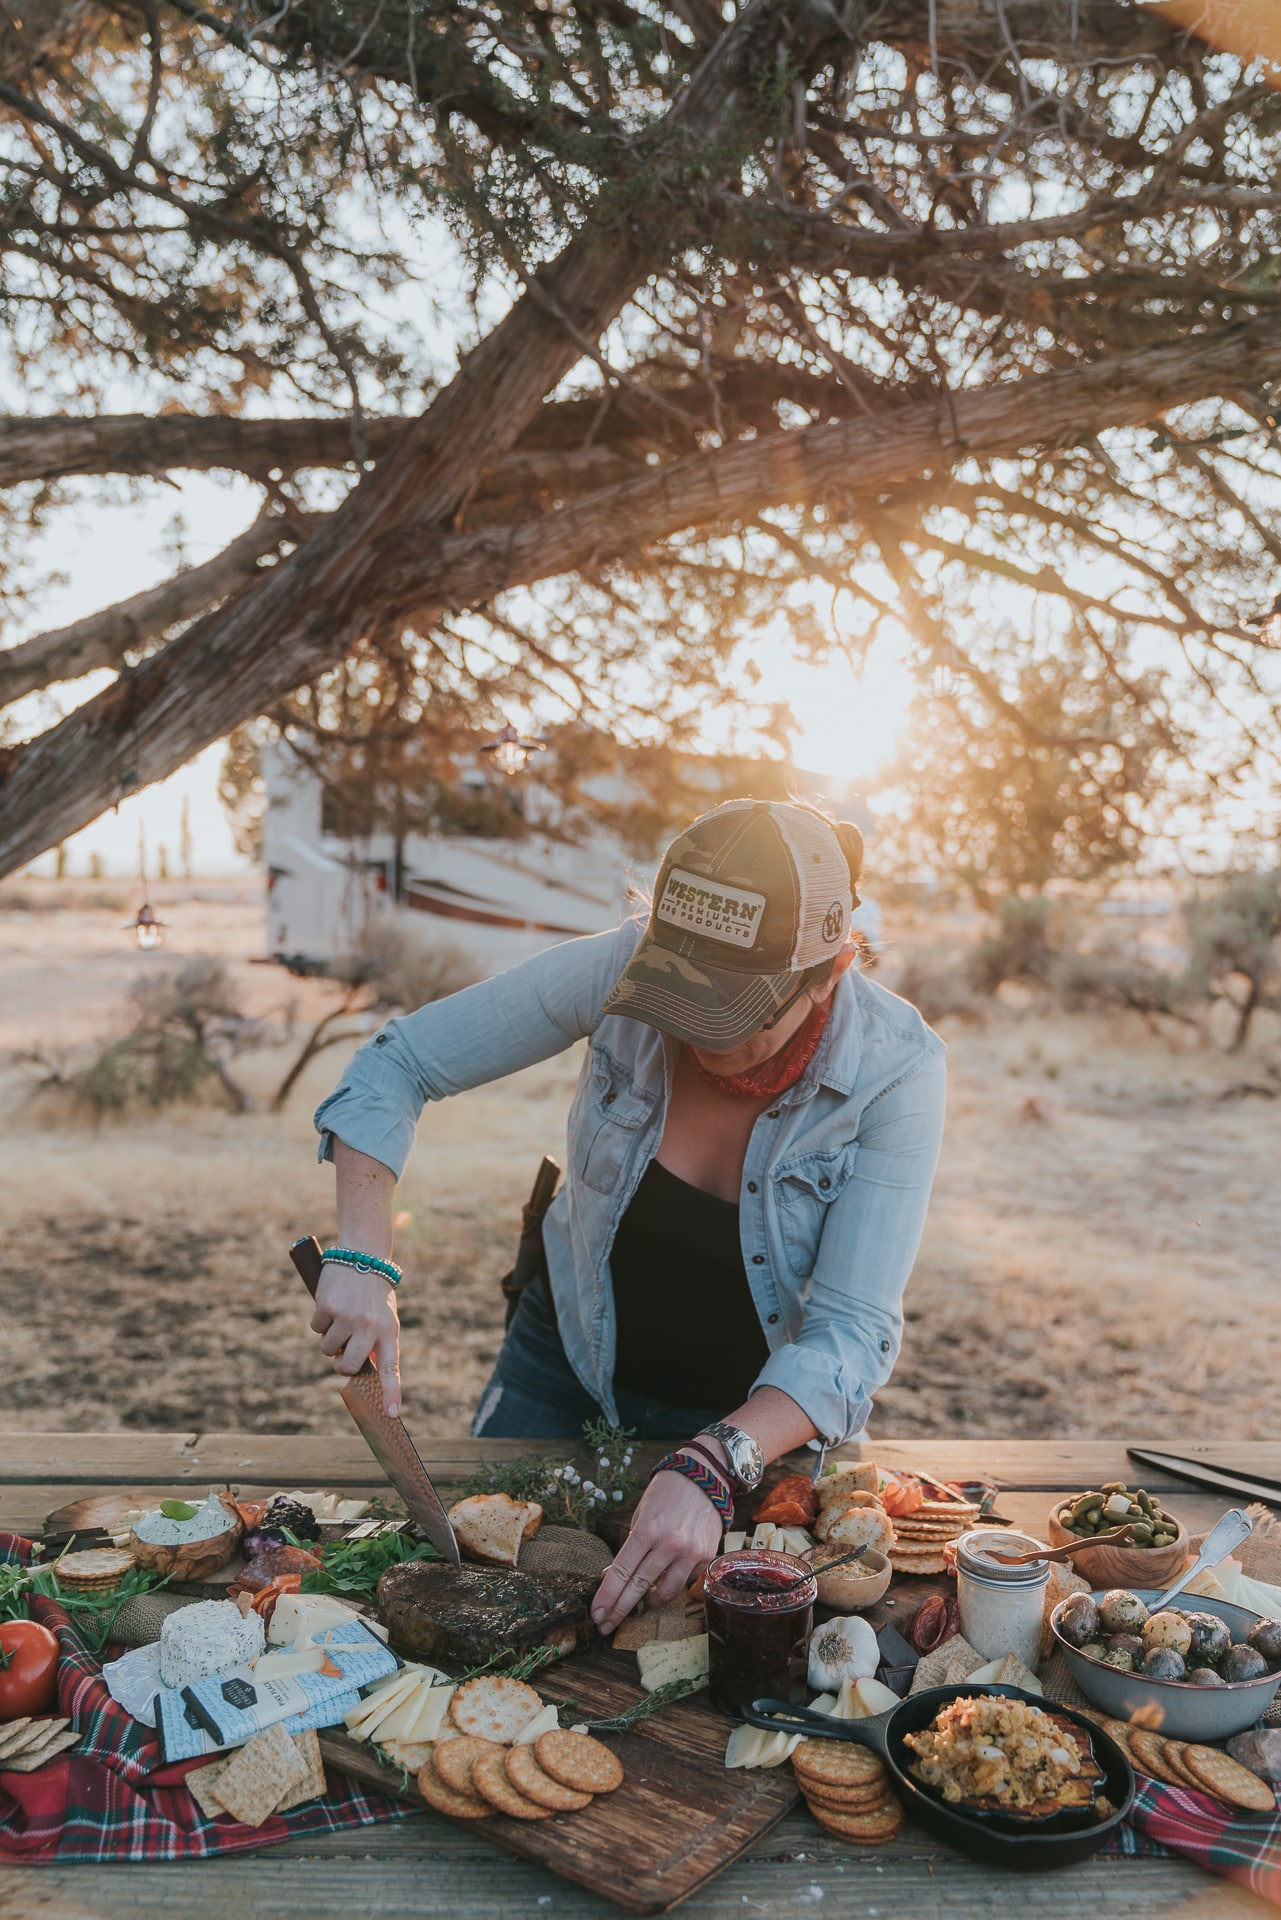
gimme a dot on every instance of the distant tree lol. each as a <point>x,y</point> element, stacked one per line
<point>1039,775</point>
<point>184,836</point>
<point>1235,928</point>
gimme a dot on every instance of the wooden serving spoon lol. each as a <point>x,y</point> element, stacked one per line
<point>1119,1537</point>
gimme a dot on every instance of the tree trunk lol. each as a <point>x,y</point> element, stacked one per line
<point>314,608</point>
<point>102,639</point>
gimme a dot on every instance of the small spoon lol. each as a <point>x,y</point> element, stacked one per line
<point>1120,1537</point>
<point>1227,1533</point>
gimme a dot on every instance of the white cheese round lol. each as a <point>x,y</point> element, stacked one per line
<point>213,1636</point>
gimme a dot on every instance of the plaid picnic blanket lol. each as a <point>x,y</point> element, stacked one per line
<point>110,1799</point>
<point>1241,1846</point>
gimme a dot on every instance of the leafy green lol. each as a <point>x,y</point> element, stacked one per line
<point>569,1497</point>
<point>93,1613</point>
<point>353,1568</point>
<point>178,1510</point>
<point>512,1665</point>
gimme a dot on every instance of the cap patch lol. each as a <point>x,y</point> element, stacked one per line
<point>834,922</point>
<point>710,909</point>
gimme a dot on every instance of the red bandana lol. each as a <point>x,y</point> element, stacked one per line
<point>784,1068</point>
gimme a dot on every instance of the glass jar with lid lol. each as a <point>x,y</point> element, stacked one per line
<point>1001,1606</point>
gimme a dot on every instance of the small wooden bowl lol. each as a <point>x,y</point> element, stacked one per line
<point>855,1586</point>
<point>1108,1567</point>
<point>186,1559</point>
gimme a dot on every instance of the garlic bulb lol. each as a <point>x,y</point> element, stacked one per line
<point>843,1649</point>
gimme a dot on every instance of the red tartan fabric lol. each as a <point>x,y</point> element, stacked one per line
<point>1241,1846</point>
<point>110,1799</point>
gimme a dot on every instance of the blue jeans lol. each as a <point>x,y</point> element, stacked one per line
<point>534,1393</point>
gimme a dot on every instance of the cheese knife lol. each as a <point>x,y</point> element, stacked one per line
<point>385,1437</point>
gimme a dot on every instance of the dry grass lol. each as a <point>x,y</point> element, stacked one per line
<point>1100,1257</point>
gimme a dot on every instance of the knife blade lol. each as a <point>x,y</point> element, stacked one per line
<point>1204,1475</point>
<point>386,1438</point>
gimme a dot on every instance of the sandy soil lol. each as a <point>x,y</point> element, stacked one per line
<point>1100,1257</point>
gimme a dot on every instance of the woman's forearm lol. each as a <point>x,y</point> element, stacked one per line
<point>774,1421</point>
<point>365,1191</point>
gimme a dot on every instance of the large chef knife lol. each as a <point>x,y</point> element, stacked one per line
<point>385,1437</point>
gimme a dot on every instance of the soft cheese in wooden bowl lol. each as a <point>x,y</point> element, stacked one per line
<point>186,1541</point>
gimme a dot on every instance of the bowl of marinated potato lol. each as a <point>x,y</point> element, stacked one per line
<point>1160,1549</point>
<point>1198,1669</point>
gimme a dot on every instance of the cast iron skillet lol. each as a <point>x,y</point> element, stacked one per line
<point>1055,1842</point>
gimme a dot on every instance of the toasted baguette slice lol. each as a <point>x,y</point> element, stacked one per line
<point>492,1527</point>
<point>858,1477</point>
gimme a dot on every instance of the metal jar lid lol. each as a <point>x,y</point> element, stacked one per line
<point>972,1558</point>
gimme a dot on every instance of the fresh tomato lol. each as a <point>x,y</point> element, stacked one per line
<point>28,1669</point>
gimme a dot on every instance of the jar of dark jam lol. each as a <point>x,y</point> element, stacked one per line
<point>760,1609</point>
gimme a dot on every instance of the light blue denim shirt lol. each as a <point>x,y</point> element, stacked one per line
<point>835,1181</point>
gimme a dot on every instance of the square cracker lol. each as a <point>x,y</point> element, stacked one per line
<point>200,1782</point>
<point>307,1746</point>
<point>30,1761</point>
<point>259,1776</point>
<point>932,1668</point>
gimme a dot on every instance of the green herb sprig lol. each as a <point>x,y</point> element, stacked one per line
<point>93,1613</point>
<point>568,1497</point>
<point>511,1665</point>
<point>631,1716</point>
<point>353,1568</point>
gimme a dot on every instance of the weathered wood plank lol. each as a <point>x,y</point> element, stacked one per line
<point>100,1459</point>
<point>388,1871</point>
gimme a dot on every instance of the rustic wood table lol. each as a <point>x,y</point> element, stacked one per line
<point>427,1865</point>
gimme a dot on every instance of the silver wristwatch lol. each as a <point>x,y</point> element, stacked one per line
<point>746,1461</point>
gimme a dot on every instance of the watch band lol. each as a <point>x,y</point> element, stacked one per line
<point>734,1440</point>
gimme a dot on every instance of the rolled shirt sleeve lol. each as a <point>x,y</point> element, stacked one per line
<point>529,1013</point>
<point>852,1319</point>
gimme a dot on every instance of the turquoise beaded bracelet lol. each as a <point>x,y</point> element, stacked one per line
<point>364,1263</point>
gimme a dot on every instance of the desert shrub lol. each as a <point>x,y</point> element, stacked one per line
<point>151,1069</point>
<point>1107,980</point>
<point>390,971</point>
<point>1029,935</point>
<point>938,984</point>
<point>1235,928</point>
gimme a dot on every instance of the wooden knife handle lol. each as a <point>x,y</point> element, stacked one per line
<point>308,1256</point>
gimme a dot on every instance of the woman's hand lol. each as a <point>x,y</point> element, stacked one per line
<point>356,1316</point>
<point>676,1531</point>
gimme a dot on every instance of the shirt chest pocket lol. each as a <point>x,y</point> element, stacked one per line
<point>803,1192</point>
<point>614,1112</point>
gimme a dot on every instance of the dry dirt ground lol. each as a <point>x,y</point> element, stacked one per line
<point>1101,1256</point>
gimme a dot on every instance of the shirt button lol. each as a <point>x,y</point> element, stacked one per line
<point>610,1099</point>
<point>885,1346</point>
<point>773,1319</point>
<point>773,1113</point>
<point>824,1184</point>
<point>751,1186</point>
<point>758,1259</point>
<point>380,1040</point>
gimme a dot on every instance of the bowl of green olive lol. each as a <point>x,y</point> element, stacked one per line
<point>1159,1550</point>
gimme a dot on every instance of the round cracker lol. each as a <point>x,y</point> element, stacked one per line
<point>835,1763</point>
<point>462,1806</point>
<point>494,1707</point>
<point>863,1829</point>
<point>1147,1750</point>
<point>454,1761</point>
<point>528,1778</point>
<point>847,1800</point>
<point>577,1760</point>
<point>1177,1764</point>
<point>489,1777</point>
<point>1228,1780</point>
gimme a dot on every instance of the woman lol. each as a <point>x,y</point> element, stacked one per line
<point>751,1147</point>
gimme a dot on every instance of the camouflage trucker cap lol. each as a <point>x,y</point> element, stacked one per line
<point>749,896</point>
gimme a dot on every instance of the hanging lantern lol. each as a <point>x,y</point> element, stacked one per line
<point>148,932</point>
<point>511,752</point>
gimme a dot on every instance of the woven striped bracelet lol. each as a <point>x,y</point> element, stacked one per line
<point>703,1477</point>
<point>363,1263</point>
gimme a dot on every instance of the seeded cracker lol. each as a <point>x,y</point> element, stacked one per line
<point>528,1778</point>
<point>932,1668</point>
<point>29,1762</point>
<point>489,1777</point>
<point>577,1760</point>
<point>200,1784</point>
<point>454,1762</point>
<point>494,1707</point>
<point>462,1806</point>
<point>307,1747</point>
<point>259,1775</point>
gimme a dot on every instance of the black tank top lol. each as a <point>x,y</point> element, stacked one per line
<point>688,1330</point>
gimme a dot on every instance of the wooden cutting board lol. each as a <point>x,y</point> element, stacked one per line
<point>678,1818</point>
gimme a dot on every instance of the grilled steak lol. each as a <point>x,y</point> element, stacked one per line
<point>463,1615</point>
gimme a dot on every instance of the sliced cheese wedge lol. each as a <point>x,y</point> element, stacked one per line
<point>733,1543</point>
<point>822,1703</point>
<point>762,1538</point>
<point>664,1661</point>
<point>430,1711</point>
<point>875,1697</point>
<point>744,1747</point>
<point>363,1717</point>
<point>795,1540</point>
<point>288,1663</point>
<point>399,1723</point>
<point>545,1722</point>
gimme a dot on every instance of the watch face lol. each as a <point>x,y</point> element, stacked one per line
<point>749,1463</point>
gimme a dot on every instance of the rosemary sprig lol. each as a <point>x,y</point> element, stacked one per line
<point>631,1716</point>
<point>512,1665</point>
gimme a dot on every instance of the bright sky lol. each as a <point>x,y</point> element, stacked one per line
<point>847,724</point>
